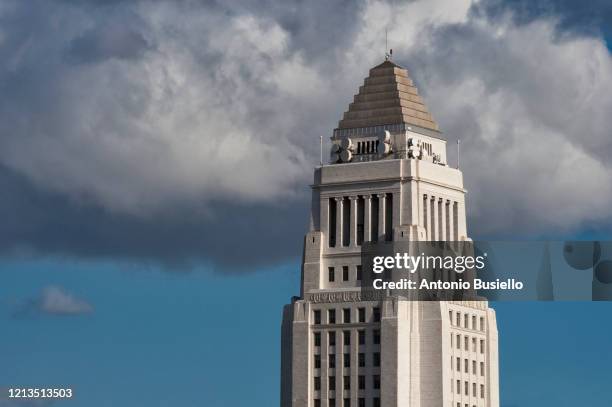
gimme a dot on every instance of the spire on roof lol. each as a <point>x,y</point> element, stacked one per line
<point>388,96</point>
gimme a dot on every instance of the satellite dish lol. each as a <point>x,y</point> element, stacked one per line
<point>346,156</point>
<point>346,143</point>
<point>335,148</point>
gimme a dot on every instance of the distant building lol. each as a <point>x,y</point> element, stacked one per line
<point>387,179</point>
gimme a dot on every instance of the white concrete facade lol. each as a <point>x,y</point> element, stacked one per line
<point>342,347</point>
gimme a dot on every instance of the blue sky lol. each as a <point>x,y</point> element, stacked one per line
<point>162,339</point>
<point>138,140</point>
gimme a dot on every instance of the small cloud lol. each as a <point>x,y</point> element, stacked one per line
<point>54,300</point>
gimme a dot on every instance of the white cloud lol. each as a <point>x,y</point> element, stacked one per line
<point>229,107</point>
<point>54,300</point>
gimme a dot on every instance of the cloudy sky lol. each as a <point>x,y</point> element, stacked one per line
<point>153,152</point>
<point>160,131</point>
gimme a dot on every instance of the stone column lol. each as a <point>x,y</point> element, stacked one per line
<point>381,217</point>
<point>367,215</point>
<point>434,209</point>
<point>338,221</point>
<point>353,226</point>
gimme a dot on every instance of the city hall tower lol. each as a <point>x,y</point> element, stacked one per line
<point>387,180</point>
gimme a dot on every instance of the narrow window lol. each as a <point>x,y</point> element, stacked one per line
<point>474,367</point>
<point>360,219</point>
<point>347,402</point>
<point>376,337</point>
<point>458,342</point>
<point>482,391</point>
<point>361,402</point>
<point>347,360</point>
<point>317,339</point>
<point>317,383</point>
<point>332,361</point>
<point>361,359</point>
<point>359,273</point>
<point>331,228</point>
<point>331,274</point>
<point>332,339</point>
<point>376,360</point>
<point>466,319</point>
<point>346,315</point>
<point>376,381</point>
<point>317,403</point>
<point>450,316</point>
<point>482,346</point>
<point>317,317</point>
<point>345,273</point>
<point>361,336</point>
<point>317,361</point>
<point>347,382</point>
<point>346,221</point>
<point>332,402</point>
<point>474,322</point>
<point>458,323</point>
<point>458,364</point>
<point>482,368</point>
<point>376,314</point>
<point>482,324</point>
<point>374,219</point>
<point>332,383</point>
<point>474,390</point>
<point>466,387</point>
<point>362,317</point>
<point>376,401</point>
<point>347,338</point>
<point>466,343</point>
<point>458,387</point>
<point>361,382</point>
<point>388,217</point>
<point>331,316</point>
<point>466,366</point>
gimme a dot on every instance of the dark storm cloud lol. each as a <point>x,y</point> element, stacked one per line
<point>185,132</point>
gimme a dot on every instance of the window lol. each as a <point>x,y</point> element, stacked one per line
<point>317,361</point>
<point>361,402</point>
<point>347,338</point>
<point>317,317</point>
<point>361,359</point>
<point>332,402</point>
<point>317,383</point>
<point>317,403</point>
<point>347,360</point>
<point>331,316</point>
<point>474,322</point>
<point>376,401</point>
<point>466,366</point>
<point>482,346</point>
<point>376,336</point>
<point>466,343</point>
<point>473,344</point>
<point>332,339</point>
<point>345,273</point>
<point>452,336</point>
<point>466,320</point>
<point>347,382</point>
<point>474,367</point>
<point>458,387</point>
<point>482,325</point>
<point>474,389</point>
<point>467,388</point>
<point>376,314</point>
<point>376,359</point>
<point>362,315</point>
<point>332,382</point>
<point>346,315</point>
<point>458,341</point>
<point>317,339</point>
<point>331,274</point>
<point>458,323</point>
<point>376,381</point>
<point>458,364</point>
<point>332,361</point>
<point>361,336</point>
<point>347,402</point>
<point>361,382</point>
<point>450,316</point>
<point>482,391</point>
<point>482,368</point>
<point>359,273</point>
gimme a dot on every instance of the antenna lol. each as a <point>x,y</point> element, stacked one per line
<point>458,143</point>
<point>389,54</point>
<point>321,142</point>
